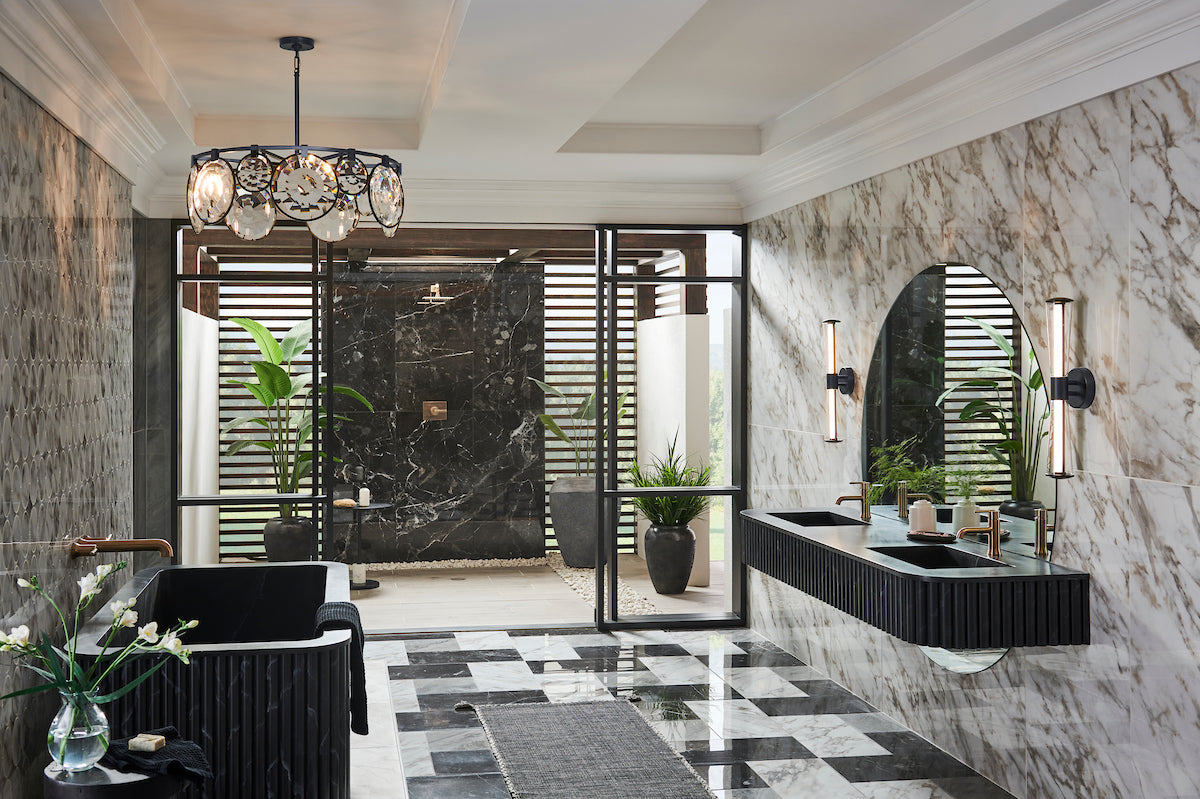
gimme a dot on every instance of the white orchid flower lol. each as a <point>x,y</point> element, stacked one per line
<point>89,584</point>
<point>103,571</point>
<point>171,643</point>
<point>23,583</point>
<point>118,608</point>
<point>149,633</point>
<point>127,619</point>
<point>19,636</point>
<point>191,624</point>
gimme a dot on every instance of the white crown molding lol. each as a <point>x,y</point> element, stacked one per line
<point>607,137</point>
<point>213,130</point>
<point>1117,44</point>
<point>532,201</point>
<point>45,54</point>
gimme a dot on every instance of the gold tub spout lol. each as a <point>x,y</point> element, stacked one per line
<point>85,545</point>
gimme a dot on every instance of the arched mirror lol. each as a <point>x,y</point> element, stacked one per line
<point>955,407</point>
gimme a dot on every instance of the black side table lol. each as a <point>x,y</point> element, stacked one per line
<point>99,782</point>
<point>359,511</point>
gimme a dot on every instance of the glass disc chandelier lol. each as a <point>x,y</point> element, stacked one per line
<point>330,189</point>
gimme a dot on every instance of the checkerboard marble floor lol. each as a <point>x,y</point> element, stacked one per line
<point>754,721</point>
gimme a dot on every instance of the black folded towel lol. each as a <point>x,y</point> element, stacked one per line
<point>178,758</point>
<point>344,616</point>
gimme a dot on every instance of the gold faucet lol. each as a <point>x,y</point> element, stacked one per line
<point>859,497</point>
<point>903,497</point>
<point>1040,550</point>
<point>993,533</point>
<point>90,546</point>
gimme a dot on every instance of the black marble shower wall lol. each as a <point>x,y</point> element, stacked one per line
<point>66,384</point>
<point>466,486</point>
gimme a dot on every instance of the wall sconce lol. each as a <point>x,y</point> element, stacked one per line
<point>835,381</point>
<point>1076,388</point>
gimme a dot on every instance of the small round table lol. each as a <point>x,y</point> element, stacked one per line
<point>359,510</point>
<point>99,782</point>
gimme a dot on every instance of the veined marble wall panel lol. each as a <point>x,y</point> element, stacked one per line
<point>66,384</point>
<point>468,485</point>
<point>1099,202</point>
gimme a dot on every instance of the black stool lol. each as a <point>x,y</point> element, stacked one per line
<point>99,782</point>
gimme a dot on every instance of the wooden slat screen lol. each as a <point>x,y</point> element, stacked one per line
<point>278,307</point>
<point>970,294</point>
<point>571,367</point>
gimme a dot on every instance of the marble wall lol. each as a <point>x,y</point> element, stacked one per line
<point>1100,202</point>
<point>466,486</point>
<point>65,388</point>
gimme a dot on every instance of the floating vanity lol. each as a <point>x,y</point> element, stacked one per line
<point>936,595</point>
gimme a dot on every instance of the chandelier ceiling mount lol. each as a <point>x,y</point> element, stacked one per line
<point>331,189</point>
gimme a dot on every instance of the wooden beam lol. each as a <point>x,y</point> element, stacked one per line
<point>523,254</point>
<point>695,297</point>
<point>459,238</point>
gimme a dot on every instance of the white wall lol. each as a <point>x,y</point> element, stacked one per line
<point>199,434</point>
<point>672,404</point>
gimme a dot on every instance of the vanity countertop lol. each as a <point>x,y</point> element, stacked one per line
<point>860,542</point>
<point>1019,601</point>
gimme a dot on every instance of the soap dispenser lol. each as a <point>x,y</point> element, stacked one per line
<point>922,517</point>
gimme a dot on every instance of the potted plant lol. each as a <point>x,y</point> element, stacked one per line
<point>573,497</point>
<point>670,543</point>
<point>288,417</point>
<point>1020,421</point>
<point>964,482</point>
<point>78,735</point>
<point>892,463</point>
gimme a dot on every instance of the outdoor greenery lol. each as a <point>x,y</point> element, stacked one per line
<point>892,463</point>
<point>1012,409</point>
<point>669,470</point>
<point>287,399</point>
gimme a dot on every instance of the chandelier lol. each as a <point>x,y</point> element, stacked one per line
<point>330,189</point>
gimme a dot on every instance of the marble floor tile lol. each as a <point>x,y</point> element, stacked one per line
<point>376,772</point>
<point>829,736</point>
<point>754,722</point>
<point>504,676</point>
<point>686,670</point>
<point>804,779</point>
<point>760,682</point>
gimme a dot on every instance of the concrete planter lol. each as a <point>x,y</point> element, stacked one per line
<point>573,514</point>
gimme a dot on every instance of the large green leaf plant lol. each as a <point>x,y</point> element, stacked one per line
<point>671,470</point>
<point>581,437</point>
<point>1019,418</point>
<point>286,395</point>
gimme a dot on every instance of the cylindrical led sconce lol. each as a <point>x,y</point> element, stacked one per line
<point>1076,387</point>
<point>835,381</point>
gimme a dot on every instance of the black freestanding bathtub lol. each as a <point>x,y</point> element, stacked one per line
<point>267,701</point>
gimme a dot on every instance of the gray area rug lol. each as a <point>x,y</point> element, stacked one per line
<point>585,750</point>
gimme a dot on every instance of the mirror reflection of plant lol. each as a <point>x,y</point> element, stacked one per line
<point>1021,429</point>
<point>582,436</point>
<point>964,481</point>
<point>892,463</point>
<point>671,470</point>
<point>288,406</point>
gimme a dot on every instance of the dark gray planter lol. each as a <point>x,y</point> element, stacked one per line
<point>670,551</point>
<point>573,514</point>
<point>287,539</point>
<point>1022,509</point>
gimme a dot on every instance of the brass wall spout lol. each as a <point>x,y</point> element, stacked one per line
<point>91,546</point>
<point>903,498</point>
<point>864,490</point>
<point>993,533</point>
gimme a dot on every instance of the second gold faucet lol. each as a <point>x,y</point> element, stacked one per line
<point>862,496</point>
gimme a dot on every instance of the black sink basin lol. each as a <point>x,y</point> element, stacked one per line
<point>937,557</point>
<point>818,518</point>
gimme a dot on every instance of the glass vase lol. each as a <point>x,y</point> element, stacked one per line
<point>78,736</point>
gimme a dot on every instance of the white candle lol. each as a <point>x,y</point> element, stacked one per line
<point>364,496</point>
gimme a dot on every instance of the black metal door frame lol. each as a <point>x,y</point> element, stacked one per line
<point>608,493</point>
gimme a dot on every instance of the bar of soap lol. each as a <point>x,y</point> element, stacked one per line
<point>344,503</point>
<point>145,742</point>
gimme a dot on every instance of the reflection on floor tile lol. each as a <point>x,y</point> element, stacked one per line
<point>754,721</point>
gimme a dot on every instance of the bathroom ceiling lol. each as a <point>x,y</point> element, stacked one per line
<point>576,111</point>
